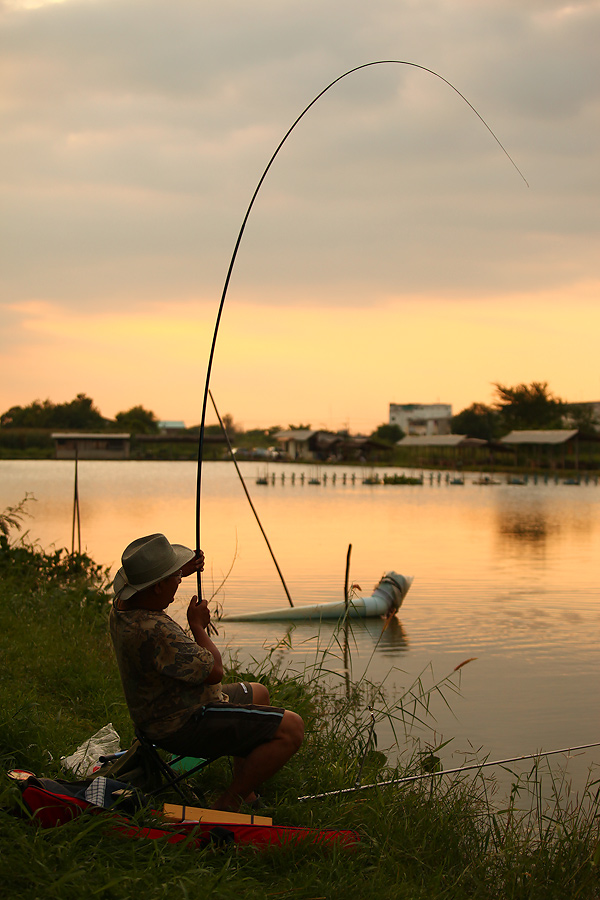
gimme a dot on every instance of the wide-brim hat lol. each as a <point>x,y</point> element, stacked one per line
<point>147,561</point>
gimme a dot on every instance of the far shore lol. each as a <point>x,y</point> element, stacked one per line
<point>450,467</point>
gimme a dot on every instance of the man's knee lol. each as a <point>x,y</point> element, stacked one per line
<point>291,729</point>
<point>260,694</point>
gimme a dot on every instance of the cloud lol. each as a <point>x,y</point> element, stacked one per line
<point>135,132</point>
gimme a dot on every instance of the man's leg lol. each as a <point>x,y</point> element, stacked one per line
<point>260,697</point>
<point>260,694</point>
<point>262,762</point>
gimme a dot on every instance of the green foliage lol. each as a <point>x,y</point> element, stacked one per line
<point>137,420</point>
<point>389,434</point>
<point>11,519</point>
<point>230,427</point>
<point>44,569</point>
<point>57,677</point>
<point>582,416</point>
<point>26,443</point>
<point>257,437</point>
<point>79,413</point>
<point>529,406</point>
<point>526,406</point>
<point>35,415</point>
<point>478,421</point>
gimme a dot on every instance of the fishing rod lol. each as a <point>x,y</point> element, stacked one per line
<point>408,778</point>
<point>237,468</point>
<point>243,228</point>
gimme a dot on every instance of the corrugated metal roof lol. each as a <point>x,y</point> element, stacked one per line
<point>556,436</point>
<point>439,440</point>
<point>102,436</point>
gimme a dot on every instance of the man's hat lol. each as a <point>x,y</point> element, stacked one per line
<point>146,561</point>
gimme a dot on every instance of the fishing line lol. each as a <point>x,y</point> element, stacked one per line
<point>243,227</point>
<point>408,778</point>
<point>237,468</point>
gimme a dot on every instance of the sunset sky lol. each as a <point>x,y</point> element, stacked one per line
<point>394,253</point>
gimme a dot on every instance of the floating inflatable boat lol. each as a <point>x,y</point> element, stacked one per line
<point>385,600</point>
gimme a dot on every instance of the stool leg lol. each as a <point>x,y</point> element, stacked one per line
<point>166,773</point>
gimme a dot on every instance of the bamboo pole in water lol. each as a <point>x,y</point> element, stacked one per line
<point>346,623</point>
<point>241,477</point>
<point>76,513</point>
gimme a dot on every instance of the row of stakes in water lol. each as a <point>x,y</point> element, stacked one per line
<point>433,478</point>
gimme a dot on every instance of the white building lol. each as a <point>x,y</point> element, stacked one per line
<point>421,418</point>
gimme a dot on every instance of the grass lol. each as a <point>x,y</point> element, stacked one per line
<point>442,838</point>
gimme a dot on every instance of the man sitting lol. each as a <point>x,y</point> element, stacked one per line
<point>172,683</point>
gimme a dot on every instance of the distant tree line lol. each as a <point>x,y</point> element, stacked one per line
<point>522,408</point>
<point>525,406</point>
<point>79,414</point>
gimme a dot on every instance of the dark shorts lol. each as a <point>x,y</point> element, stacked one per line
<point>240,693</point>
<point>226,729</point>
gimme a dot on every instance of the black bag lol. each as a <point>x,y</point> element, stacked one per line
<point>103,793</point>
<point>133,767</point>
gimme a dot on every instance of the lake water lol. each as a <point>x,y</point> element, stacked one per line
<point>504,573</point>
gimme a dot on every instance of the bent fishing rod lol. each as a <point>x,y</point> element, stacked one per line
<point>379,62</point>
<point>406,779</point>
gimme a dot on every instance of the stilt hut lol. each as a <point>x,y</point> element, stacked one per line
<point>545,449</point>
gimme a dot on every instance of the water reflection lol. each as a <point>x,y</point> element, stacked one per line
<point>540,527</point>
<point>387,635</point>
<point>529,527</point>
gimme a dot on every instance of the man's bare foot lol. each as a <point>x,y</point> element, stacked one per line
<point>227,803</point>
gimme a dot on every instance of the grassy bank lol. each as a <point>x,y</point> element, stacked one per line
<point>442,839</point>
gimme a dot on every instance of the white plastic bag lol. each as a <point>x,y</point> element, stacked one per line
<point>85,758</point>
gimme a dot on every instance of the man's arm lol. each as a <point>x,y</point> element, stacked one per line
<point>198,616</point>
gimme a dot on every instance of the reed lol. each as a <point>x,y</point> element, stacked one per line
<point>450,837</point>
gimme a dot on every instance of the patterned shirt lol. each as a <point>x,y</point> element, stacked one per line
<point>163,671</point>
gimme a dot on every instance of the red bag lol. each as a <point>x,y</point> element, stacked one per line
<point>56,806</point>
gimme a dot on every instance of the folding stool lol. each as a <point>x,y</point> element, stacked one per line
<point>166,774</point>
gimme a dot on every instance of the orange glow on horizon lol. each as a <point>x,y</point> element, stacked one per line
<point>327,366</point>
